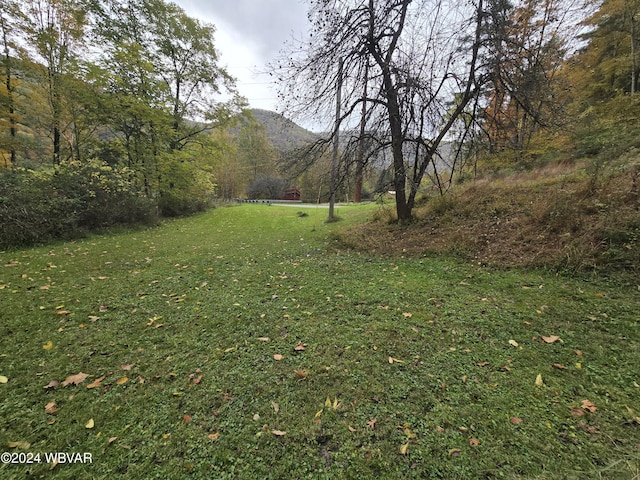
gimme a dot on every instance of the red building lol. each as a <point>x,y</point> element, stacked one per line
<point>292,194</point>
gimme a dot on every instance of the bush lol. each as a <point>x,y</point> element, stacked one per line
<point>66,202</point>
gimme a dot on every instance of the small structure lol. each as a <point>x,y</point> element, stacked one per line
<point>291,194</point>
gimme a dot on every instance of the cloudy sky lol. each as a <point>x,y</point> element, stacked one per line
<point>250,33</point>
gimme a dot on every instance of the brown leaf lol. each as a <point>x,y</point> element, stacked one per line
<point>301,374</point>
<point>63,312</point>
<point>550,338</point>
<point>263,339</point>
<point>96,383</point>
<point>587,405</point>
<point>474,442</point>
<point>300,347</point>
<point>186,418</point>
<point>372,423</point>
<point>76,379</point>
<point>559,366</point>
<point>278,357</point>
<point>578,353</point>
<point>454,452</point>
<point>51,385</point>
<point>196,380</point>
<point>51,407</point>
<point>213,436</point>
<point>279,433</point>
<point>126,367</point>
<point>516,420</point>
<point>577,412</point>
<point>111,440</point>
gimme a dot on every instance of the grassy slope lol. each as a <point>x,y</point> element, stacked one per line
<point>559,216</point>
<point>200,296</point>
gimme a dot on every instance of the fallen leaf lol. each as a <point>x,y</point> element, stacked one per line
<point>279,433</point>
<point>454,452</point>
<point>559,366</point>
<point>577,412</point>
<point>513,342</point>
<point>372,423</point>
<point>278,357</point>
<point>256,417</point>
<point>301,374</point>
<point>3,379</point>
<point>126,367</point>
<point>21,445</point>
<point>404,449</point>
<point>407,315</point>
<point>578,353</point>
<point>63,312</point>
<point>395,360</point>
<point>351,429</point>
<point>96,383</point>
<point>111,440</point>
<point>539,381</point>
<point>76,379</point>
<point>90,423</point>
<point>51,407</point>
<point>213,436</point>
<point>550,338</point>
<point>474,442</point>
<point>516,420</point>
<point>122,381</point>
<point>196,380</point>
<point>276,407</point>
<point>263,339</point>
<point>186,418</point>
<point>93,318</point>
<point>48,345</point>
<point>587,405</point>
<point>51,385</point>
<point>300,347</point>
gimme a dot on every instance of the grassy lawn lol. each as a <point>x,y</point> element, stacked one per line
<point>241,344</point>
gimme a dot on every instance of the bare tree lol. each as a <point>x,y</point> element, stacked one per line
<point>419,61</point>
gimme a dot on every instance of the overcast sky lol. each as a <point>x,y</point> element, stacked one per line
<point>250,33</point>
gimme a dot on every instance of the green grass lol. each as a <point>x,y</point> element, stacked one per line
<point>201,296</point>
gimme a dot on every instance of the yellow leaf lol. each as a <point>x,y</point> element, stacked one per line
<point>327,402</point>
<point>90,423</point>
<point>3,379</point>
<point>539,381</point>
<point>404,449</point>
<point>318,413</point>
<point>395,360</point>
<point>21,445</point>
<point>407,315</point>
<point>578,365</point>
<point>122,381</point>
<point>48,345</point>
<point>513,342</point>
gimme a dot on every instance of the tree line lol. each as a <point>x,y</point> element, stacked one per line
<point>429,83</point>
<point>124,99</point>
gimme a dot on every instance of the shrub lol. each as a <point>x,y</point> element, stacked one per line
<point>67,201</point>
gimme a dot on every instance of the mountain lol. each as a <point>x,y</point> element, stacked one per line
<point>284,134</point>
